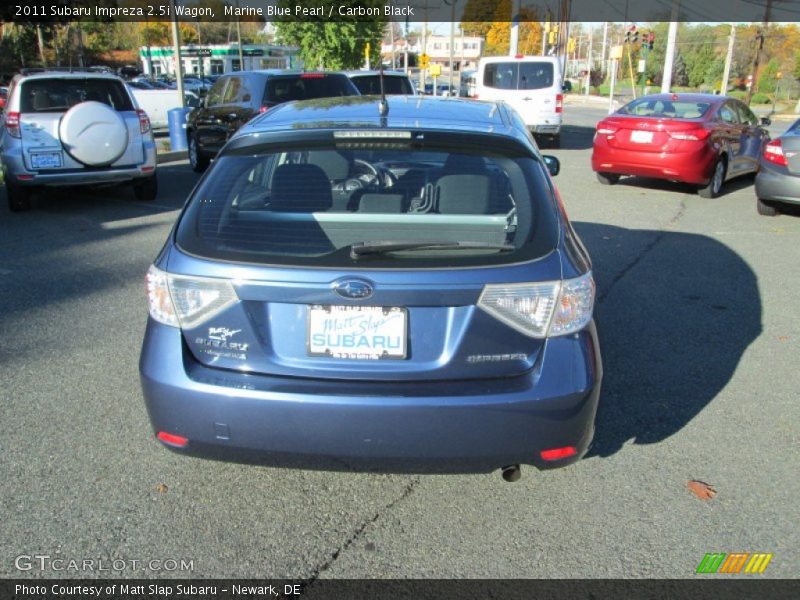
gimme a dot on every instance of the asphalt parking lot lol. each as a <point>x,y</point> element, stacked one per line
<point>697,312</point>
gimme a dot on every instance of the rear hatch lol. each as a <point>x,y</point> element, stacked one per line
<point>43,103</point>
<point>532,88</point>
<point>299,287</point>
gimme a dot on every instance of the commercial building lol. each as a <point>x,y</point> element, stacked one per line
<point>215,59</point>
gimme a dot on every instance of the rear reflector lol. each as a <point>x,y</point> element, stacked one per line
<point>24,177</point>
<point>148,169</point>
<point>173,440</point>
<point>773,152</point>
<point>558,453</point>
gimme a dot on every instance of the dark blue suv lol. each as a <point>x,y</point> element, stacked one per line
<point>390,283</point>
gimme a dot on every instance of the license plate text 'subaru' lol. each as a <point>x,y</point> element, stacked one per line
<point>357,332</point>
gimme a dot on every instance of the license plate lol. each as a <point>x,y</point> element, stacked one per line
<point>46,160</point>
<point>357,332</point>
<point>642,137</point>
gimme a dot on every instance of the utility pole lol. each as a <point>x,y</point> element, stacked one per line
<point>452,4</point>
<point>514,41</point>
<point>40,38</point>
<point>239,37</point>
<point>589,61</point>
<point>728,59</point>
<point>669,57</point>
<point>391,41</point>
<point>176,48</point>
<point>759,50</point>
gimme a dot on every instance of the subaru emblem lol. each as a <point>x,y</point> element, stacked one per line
<point>354,289</point>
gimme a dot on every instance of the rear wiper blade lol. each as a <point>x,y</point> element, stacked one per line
<point>361,249</point>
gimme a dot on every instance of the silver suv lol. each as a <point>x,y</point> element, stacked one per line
<point>74,128</point>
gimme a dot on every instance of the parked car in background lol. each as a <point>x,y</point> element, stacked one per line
<point>700,139</point>
<point>468,84</point>
<point>3,97</point>
<point>778,178</point>
<point>369,83</point>
<point>65,128</point>
<point>237,97</point>
<point>531,85</point>
<point>157,104</point>
<point>399,287</point>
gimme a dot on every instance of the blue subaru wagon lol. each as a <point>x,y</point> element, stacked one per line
<point>358,281</point>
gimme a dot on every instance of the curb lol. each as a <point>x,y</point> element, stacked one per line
<point>165,157</point>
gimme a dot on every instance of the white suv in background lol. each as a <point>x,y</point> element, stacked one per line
<point>74,127</point>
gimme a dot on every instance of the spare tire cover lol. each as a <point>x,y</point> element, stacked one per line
<point>93,133</point>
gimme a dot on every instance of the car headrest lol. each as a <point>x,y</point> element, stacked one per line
<point>463,194</point>
<point>464,163</point>
<point>300,188</point>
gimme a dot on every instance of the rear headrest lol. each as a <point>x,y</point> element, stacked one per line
<point>381,203</point>
<point>300,188</point>
<point>336,166</point>
<point>463,194</point>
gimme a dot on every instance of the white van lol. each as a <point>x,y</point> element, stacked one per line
<point>529,84</point>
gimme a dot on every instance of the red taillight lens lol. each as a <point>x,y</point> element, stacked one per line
<point>312,75</point>
<point>773,152</point>
<point>692,135</point>
<point>144,121</point>
<point>266,106</point>
<point>173,440</point>
<point>12,124</point>
<point>559,102</point>
<point>558,453</point>
<point>606,129</point>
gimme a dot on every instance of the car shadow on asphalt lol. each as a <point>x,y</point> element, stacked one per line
<point>675,314</point>
<point>733,185</point>
<point>573,137</point>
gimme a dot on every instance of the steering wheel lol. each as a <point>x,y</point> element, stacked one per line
<point>381,178</point>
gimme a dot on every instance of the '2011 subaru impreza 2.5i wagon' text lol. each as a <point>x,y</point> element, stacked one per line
<point>395,283</point>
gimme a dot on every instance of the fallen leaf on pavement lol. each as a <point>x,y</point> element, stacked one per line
<point>162,488</point>
<point>783,338</point>
<point>701,489</point>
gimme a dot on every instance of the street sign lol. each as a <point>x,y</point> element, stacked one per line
<point>435,70</point>
<point>424,59</point>
<point>202,52</point>
<point>641,67</point>
<point>616,53</point>
<point>252,52</point>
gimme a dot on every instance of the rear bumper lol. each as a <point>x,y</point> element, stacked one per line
<point>689,167</point>
<point>552,127</point>
<point>477,425</point>
<point>777,185</point>
<point>14,168</point>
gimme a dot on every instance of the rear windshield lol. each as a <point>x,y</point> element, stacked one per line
<point>307,87</point>
<point>56,95</point>
<point>370,85</point>
<point>676,109</point>
<point>519,75</point>
<point>311,207</point>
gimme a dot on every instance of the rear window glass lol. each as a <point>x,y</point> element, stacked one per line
<point>311,207</point>
<point>57,95</point>
<point>519,75</point>
<point>679,109</point>
<point>308,87</point>
<point>370,85</point>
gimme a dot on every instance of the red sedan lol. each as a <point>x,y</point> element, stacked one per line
<point>699,139</point>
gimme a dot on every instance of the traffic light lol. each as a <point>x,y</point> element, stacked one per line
<point>552,38</point>
<point>631,36</point>
<point>651,37</point>
<point>571,45</point>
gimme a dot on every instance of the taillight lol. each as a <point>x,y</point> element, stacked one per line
<point>559,102</point>
<point>12,124</point>
<point>773,152</point>
<point>312,75</point>
<point>266,106</point>
<point>606,129</point>
<point>144,121</point>
<point>544,309</point>
<point>181,301</point>
<point>692,135</point>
